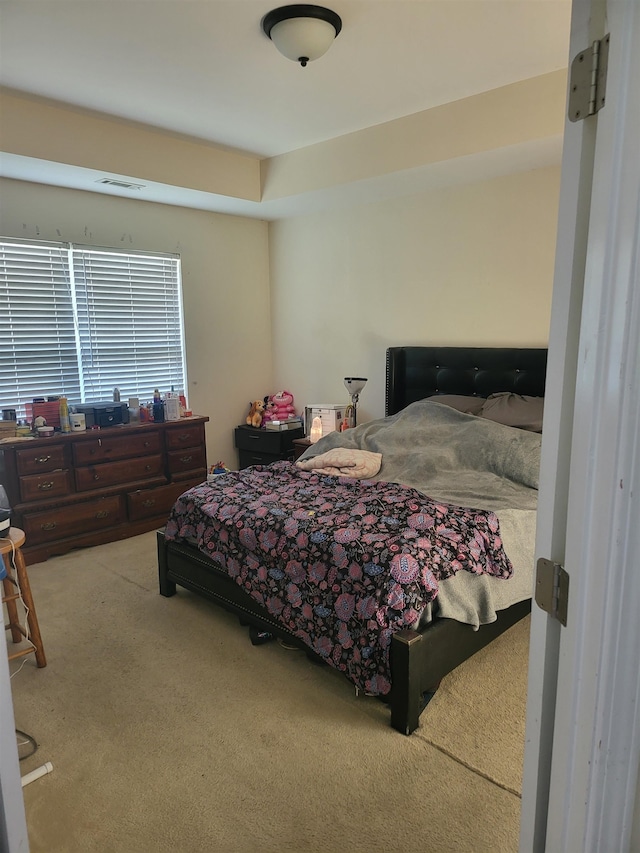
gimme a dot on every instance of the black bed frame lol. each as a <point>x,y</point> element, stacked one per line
<point>419,659</point>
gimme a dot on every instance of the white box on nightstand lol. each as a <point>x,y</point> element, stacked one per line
<point>331,415</point>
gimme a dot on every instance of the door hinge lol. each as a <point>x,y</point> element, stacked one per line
<point>552,589</point>
<point>588,80</point>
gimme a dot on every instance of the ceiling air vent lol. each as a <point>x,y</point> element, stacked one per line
<point>123,185</point>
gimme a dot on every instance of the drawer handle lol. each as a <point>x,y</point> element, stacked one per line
<point>40,460</point>
<point>183,437</point>
<point>147,444</point>
<point>254,437</point>
<point>149,502</point>
<point>49,525</point>
<point>147,467</point>
<point>45,486</point>
<point>186,459</point>
<point>103,513</point>
<point>96,476</point>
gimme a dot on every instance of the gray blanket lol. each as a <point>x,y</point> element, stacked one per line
<point>467,461</point>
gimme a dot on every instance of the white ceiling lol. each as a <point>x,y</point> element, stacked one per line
<point>204,68</point>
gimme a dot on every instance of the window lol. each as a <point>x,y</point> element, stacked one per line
<point>80,321</point>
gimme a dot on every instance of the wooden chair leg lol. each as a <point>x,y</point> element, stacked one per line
<point>9,598</point>
<point>14,587</point>
<point>27,597</point>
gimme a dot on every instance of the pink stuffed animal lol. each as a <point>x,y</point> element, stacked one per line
<point>269,411</point>
<point>283,402</point>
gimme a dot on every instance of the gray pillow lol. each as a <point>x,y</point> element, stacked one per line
<point>468,405</point>
<point>516,410</point>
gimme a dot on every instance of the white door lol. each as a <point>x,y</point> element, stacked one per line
<point>13,824</point>
<point>582,751</point>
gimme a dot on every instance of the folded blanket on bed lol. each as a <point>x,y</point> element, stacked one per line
<point>344,462</point>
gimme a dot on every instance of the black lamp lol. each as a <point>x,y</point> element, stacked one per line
<point>354,385</point>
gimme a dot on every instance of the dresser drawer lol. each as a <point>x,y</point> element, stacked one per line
<point>185,436</point>
<point>116,447</point>
<point>188,459</point>
<point>147,503</point>
<point>72,520</point>
<point>53,484</point>
<point>33,460</point>
<point>115,473</point>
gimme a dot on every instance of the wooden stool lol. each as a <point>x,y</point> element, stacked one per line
<point>18,587</point>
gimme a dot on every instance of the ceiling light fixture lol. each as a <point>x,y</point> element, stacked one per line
<point>302,32</point>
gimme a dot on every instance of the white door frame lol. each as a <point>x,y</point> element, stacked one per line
<point>582,752</point>
<point>13,824</point>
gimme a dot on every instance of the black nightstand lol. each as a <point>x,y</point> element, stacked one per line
<point>299,447</point>
<point>263,446</point>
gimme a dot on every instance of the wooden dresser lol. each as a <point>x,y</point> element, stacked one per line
<point>87,488</point>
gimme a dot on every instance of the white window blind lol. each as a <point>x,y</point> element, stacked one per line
<point>129,323</point>
<point>80,321</point>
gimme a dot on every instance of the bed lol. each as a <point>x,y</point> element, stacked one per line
<point>434,400</point>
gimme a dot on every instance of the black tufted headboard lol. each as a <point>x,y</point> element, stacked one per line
<point>414,373</point>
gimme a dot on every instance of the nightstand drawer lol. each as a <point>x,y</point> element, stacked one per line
<point>246,458</point>
<point>266,441</point>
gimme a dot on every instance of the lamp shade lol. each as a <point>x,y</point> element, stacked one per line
<point>354,385</point>
<point>302,32</point>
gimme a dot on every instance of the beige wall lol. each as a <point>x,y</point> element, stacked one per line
<point>225,285</point>
<point>470,265</point>
<point>502,119</point>
<point>58,133</point>
<point>465,265</point>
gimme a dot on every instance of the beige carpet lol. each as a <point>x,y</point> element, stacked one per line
<point>169,731</point>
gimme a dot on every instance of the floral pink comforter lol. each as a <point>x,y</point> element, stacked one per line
<point>341,563</point>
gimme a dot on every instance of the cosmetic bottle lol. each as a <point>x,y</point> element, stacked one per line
<point>65,423</point>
